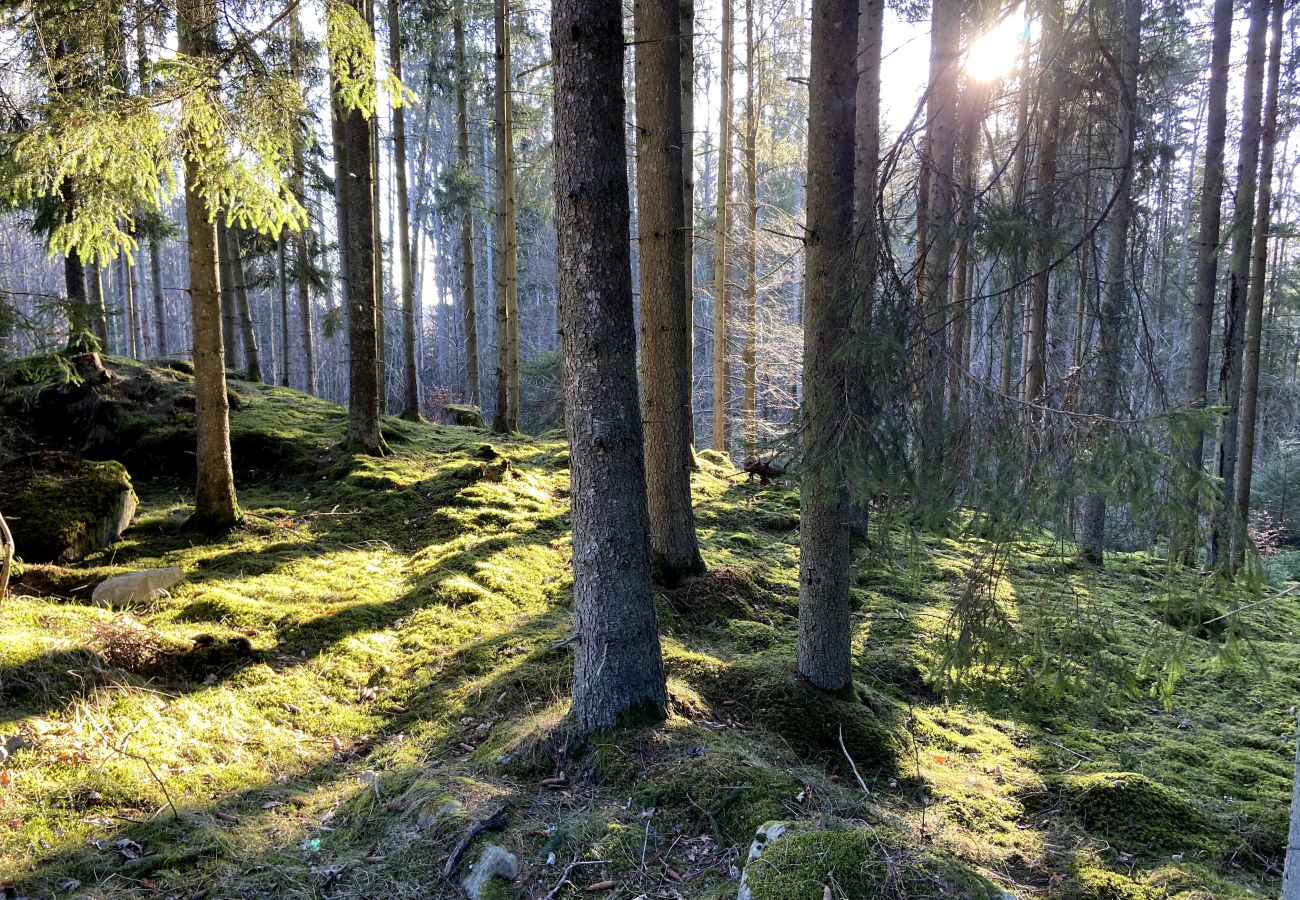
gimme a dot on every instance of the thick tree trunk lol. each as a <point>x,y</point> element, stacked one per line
<point>721,236</point>
<point>302,239</point>
<point>282,283</point>
<point>159,303</point>
<point>686,48</point>
<point>1207,269</point>
<point>1044,204</point>
<point>618,669</point>
<point>468,303</point>
<point>410,381</point>
<point>825,637</point>
<point>359,238</point>
<point>80,317</point>
<point>1255,296</point>
<point>665,318</point>
<point>1115,302</point>
<point>228,328</point>
<point>1234,313</point>
<point>215,505</point>
<point>506,418</point>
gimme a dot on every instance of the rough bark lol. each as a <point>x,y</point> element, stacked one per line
<point>282,285</point>
<point>749,360</point>
<point>506,417</point>
<point>665,317</point>
<point>721,236</point>
<point>410,381</point>
<point>468,303</point>
<point>618,667</point>
<point>1207,270</point>
<point>1256,290</point>
<point>244,309</point>
<point>359,239</point>
<point>98,311</point>
<point>215,504</point>
<point>825,638</point>
<point>228,328</point>
<point>1114,304</point>
<point>686,48</point>
<point>302,245</point>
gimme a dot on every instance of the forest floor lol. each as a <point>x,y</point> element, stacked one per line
<point>405,673</point>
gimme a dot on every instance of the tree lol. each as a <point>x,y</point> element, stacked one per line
<point>302,246</point>
<point>1255,301</point>
<point>466,216</point>
<point>355,117</point>
<point>618,668</point>
<point>1234,311</point>
<point>506,417</point>
<point>749,380</point>
<point>825,638</point>
<point>1115,301</point>
<point>247,334</point>
<point>686,47</point>
<point>665,318</point>
<point>411,372</point>
<point>1207,268</point>
<point>721,236</point>
<point>215,505</point>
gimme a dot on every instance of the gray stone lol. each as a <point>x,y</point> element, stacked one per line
<point>764,835</point>
<point>136,589</point>
<point>495,862</point>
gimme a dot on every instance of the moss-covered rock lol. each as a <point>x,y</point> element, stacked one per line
<point>857,863</point>
<point>463,414</point>
<point>1089,883</point>
<point>61,507</point>
<point>1136,812</point>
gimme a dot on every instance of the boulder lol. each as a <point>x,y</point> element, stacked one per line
<point>136,589</point>
<point>493,863</point>
<point>764,835</point>
<point>463,414</point>
<point>61,507</point>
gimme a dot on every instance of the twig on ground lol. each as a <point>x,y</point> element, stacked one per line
<point>854,766</point>
<point>564,876</point>
<point>494,822</point>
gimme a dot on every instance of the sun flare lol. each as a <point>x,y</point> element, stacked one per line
<point>995,53</point>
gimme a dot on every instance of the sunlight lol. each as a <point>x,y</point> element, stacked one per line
<point>996,53</point>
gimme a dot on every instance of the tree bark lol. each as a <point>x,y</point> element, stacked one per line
<point>302,240</point>
<point>506,418</point>
<point>686,48</point>
<point>94,276</point>
<point>359,238</point>
<point>753,78</point>
<point>665,318</point>
<point>469,307</point>
<point>825,637</point>
<point>1222,532</point>
<point>410,381</point>
<point>228,328</point>
<point>282,283</point>
<point>1016,262</point>
<point>721,236</point>
<point>1207,269</point>
<point>215,505</point>
<point>1115,302</point>
<point>1255,297</point>
<point>618,669</point>
<point>248,335</point>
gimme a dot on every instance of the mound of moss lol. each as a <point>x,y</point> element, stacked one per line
<point>1136,812</point>
<point>61,507</point>
<point>861,863</point>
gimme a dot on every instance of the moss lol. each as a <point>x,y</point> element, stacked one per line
<point>60,507</point>
<point>1088,883</point>
<point>1137,813</point>
<point>859,864</point>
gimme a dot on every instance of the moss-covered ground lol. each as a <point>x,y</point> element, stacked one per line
<point>380,663</point>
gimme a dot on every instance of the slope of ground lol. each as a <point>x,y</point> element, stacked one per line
<point>381,663</point>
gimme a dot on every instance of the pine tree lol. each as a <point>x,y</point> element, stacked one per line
<point>411,367</point>
<point>618,668</point>
<point>721,239</point>
<point>468,303</point>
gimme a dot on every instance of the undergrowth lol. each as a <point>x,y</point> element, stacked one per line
<point>376,660</point>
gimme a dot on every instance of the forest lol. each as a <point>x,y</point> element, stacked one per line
<point>758,449</point>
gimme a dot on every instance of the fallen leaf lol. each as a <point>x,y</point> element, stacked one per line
<point>226,817</point>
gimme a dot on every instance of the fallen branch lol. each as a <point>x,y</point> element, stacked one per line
<point>564,876</point>
<point>494,822</point>
<point>6,556</point>
<point>1231,612</point>
<point>854,766</point>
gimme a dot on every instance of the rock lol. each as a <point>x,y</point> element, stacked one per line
<point>494,862</point>
<point>764,835</point>
<point>136,588</point>
<point>62,507</point>
<point>437,813</point>
<point>463,414</point>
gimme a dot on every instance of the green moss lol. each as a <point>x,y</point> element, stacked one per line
<point>1137,813</point>
<point>1089,883</point>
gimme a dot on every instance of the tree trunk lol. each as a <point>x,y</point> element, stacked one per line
<point>825,637</point>
<point>1207,269</point>
<point>359,238</point>
<point>302,240</point>
<point>466,219</point>
<point>686,48</point>
<point>127,286</point>
<point>1044,204</point>
<point>1255,298</point>
<point>753,77</point>
<point>159,303</point>
<point>215,505</point>
<point>282,282</point>
<point>1016,263</point>
<point>410,383</point>
<point>94,276</point>
<point>228,329</point>
<point>1234,314</point>
<point>1115,302</point>
<point>618,669</point>
<point>665,320</point>
<point>248,335</point>
<point>721,233</point>
<point>506,418</point>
